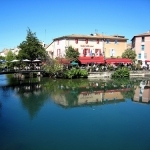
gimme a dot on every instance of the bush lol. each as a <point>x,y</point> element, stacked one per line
<point>75,73</point>
<point>121,72</point>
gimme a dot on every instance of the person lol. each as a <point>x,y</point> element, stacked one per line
<point>147,66</point>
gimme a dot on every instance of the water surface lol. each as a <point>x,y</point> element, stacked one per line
<point>46,114</point>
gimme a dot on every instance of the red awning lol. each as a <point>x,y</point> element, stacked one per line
<point>118,60</point>
<point>87,60</point>
<point>147,60</point>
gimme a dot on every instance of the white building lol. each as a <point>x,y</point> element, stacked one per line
<point>88,45</point>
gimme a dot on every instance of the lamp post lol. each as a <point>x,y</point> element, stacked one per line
<point>104,56</point>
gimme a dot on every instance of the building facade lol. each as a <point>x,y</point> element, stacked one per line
<point>94,45</point>
<point>141,45</point>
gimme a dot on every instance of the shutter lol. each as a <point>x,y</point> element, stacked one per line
<point>76,41</point>
<point>97,41</point>
<point>86,41</point>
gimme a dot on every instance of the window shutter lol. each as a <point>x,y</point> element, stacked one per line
<point>76,41</point>
<point>97,41</point>
<point>86,41</point>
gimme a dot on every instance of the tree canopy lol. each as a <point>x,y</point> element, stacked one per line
<point>10,56</point>
<point>129,53</point>
<point>31,48</point>
<point>72,54</point>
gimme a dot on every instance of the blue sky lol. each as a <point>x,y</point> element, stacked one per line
<point>54,18</point>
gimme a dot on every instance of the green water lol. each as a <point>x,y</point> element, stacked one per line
<point>46,114</point>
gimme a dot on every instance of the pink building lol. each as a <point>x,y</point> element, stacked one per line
<point>141,45</point>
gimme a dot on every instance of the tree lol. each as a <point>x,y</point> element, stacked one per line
<point>72,54</point>
<point>31,48</point>
<point>129,53</point>
<point>10,56</point>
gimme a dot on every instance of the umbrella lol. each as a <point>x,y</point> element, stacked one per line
<point>2,61</point>
<point>74,63</point>
<point>26,60</point>
<point>15,60</point>
<point>36,60</point>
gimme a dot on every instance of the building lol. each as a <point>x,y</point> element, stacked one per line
<point>4,52</point>
<point>141,45</point>
<point>93,45</point>
<point>129,46</point>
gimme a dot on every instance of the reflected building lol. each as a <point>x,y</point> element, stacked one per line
<point>142,92</point>
<point>86,98</point>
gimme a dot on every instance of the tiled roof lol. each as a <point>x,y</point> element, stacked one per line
<point>142,34</point>
<point>92,36</point>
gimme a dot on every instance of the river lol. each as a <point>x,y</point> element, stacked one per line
<point>80,114</point>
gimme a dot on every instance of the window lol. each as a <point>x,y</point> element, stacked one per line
<point>76,41</point>
<point>86,41</point>
<point>97,41</point>
<point>116,41</point>
<point>97,52</point>
<point>107,41</point>
<point>143,39</point>
<point>145,55</point>
<point>84,52</point>
<point>142,47</point>
<point>58,52</point>
<point>139,56</point>
<point>112,52</point>
<point>57,42</point>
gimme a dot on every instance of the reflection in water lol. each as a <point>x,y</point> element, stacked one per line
<point>33,93</point>
<point>72,93</point>
<point>142,92</point>
<point>52,127</point>
<point>0,108</point>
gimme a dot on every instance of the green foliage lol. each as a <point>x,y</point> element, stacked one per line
<point>129,53</point>
<point>72,54</point>
<point>52,67</point>
<point>10,56</point>
<point>2,58</point>
<point>83,73</point>
<point>75,73</point>
<point>31,48</point>
<point>121,72</point>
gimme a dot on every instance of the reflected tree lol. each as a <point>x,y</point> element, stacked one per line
<point>33,102</point>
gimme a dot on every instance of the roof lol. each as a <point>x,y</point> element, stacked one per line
<point>142,34</point>
<point>91,36</point>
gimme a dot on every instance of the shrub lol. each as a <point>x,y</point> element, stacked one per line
<point>121,72</point>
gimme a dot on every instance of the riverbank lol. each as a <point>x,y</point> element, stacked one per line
<point>109,74</point>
